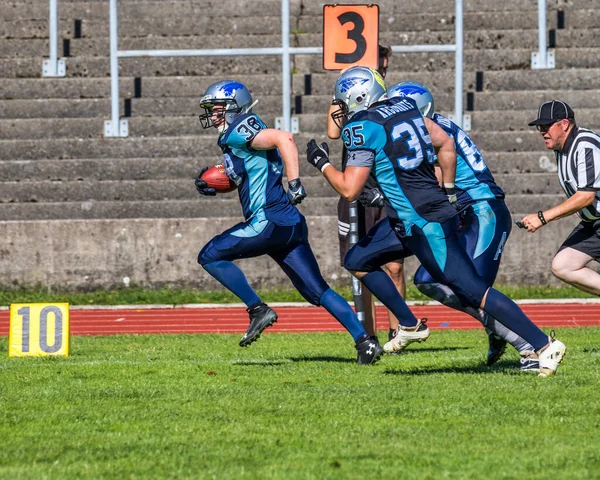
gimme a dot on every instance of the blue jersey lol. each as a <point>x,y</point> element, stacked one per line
<point>474,181</point>
<point>391,139</point>
<point>257,174</point>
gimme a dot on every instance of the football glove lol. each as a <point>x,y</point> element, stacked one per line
<point>317,155</point>
<point>452,198</point>
<point>201,185</point>
<point>296,192</point>
<point>371,197</point>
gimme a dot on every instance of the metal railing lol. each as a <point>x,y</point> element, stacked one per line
<point>53,67</point>
<point>116,127</point>
<point>543,58</point>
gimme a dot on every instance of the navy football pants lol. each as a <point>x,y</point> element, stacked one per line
<point>287,245</point>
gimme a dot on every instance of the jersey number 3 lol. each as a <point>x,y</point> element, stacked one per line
<point>406,132</point>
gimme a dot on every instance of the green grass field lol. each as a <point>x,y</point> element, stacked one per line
<point>297,406</point>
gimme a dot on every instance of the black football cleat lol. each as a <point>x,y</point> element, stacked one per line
<point>369,351</point>
<point>496,349</point>
<point>261,317</point>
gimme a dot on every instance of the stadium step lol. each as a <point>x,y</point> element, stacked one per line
<point>197,208</point>
<point>473,59</point>
<point>150,87</point>
<point>183,189</point>
<point>188,167</point>
<point>98,9</point>
<point>205,145</point>
<point>473,39</point>
<point>202,207</point>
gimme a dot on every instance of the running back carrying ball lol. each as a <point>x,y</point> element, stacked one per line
<point>213,180</point>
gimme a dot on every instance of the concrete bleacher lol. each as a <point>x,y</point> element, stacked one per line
<point>82,210</point>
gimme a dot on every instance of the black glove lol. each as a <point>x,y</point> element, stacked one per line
<point>201,185</point>
<point>296,192</point>
<point>317,156</point>
<point>371,198</point>
<point>451,193</point>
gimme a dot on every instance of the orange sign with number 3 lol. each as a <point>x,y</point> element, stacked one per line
<point>350,36</point>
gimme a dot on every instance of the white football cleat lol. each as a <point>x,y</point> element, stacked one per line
<point>407,335</point>
<point>550,357</point>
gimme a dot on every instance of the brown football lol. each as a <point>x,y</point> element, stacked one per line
<point>215,177</point>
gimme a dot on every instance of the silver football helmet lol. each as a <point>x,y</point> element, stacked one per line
<point>233,96</point>
<point>355,90</point>
<point>418,92</point>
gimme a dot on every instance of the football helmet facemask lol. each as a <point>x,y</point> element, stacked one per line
<point>232,96</point>
<point>418,92</point>
<point>356,90</point>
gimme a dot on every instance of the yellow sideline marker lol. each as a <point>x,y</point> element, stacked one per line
<point>39,329</point>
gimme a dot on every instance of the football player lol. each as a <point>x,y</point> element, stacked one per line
<point>391,138</point>
<point>486,224</point>
<point>254,157</point>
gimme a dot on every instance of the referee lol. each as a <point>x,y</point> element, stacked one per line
<point>577,153</point>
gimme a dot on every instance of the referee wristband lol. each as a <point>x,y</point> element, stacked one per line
<point>541,217</point>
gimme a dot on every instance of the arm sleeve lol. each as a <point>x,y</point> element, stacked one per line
<point>243,132</point>
<point>587,157</point>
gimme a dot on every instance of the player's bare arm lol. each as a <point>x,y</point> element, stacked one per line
<point>579,200</point>
<point>446,153</point>
<point>271,138</point>
<point>348,183</point>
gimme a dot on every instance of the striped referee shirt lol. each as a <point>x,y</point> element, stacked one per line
<point>579,168</point>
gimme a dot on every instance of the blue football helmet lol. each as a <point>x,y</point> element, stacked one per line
<point>233,96</point>
<point>418,92</point>
<point>355,90</point>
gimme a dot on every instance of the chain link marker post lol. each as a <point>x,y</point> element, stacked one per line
<point>350,36</point>
<point>39,329</point>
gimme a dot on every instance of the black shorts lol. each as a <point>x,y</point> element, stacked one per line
<point>585,238</point>
<point>367,217</point>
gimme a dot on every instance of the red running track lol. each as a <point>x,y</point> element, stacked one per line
<point>291,319</point>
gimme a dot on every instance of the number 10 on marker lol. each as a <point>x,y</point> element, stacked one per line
<point>38,329</point>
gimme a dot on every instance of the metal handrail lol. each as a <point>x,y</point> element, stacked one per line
<point>115,127</point>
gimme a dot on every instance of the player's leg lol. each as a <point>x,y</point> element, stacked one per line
<point>395,270</point>
<point>244,240</point>
<point>485,227</point>
<point>365,261</point>
<point>439,248</point>
<point>580,248</point>
<point>486,234</point>
<point>300,265</point>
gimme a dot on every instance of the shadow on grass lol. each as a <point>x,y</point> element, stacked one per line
<point>321,358</point>
<point>260,363</point>
<point>510,368</point>
<point>433,349</point>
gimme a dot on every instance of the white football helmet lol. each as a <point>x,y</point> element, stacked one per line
<point>356,90</point>
<point>418,92</point>
<point>233,96</point>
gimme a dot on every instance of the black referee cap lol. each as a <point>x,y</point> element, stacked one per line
<point>551,112</point>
